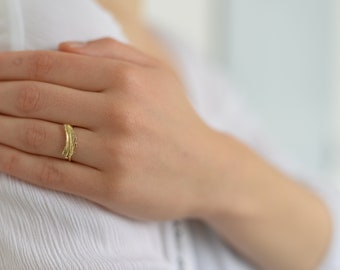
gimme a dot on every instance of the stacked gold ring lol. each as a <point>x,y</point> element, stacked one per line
<point>71,142</point>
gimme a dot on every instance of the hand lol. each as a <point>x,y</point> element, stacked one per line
<point>142,150</point>
<point>145,154</point>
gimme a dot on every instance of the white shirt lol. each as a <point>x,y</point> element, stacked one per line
<point>42,229</point>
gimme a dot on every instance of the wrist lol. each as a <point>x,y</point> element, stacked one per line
<point>262,213</point>
<point>236,177</point>
<point>215,185</point>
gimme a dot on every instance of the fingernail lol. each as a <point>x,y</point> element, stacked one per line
<point>75,44</point>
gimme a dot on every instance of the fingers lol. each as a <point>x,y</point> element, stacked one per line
<point>109,48</point>
<point>53,174</point>
<point>48,139</point>
<point>83,72</point>
<point>70,70</point>
<point>50,102</point>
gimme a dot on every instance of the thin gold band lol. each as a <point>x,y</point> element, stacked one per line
<point>71,142</point>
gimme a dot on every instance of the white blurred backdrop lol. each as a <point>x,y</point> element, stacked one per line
<point>282,55</point>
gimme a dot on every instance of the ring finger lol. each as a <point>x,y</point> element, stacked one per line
<point>48,139</point>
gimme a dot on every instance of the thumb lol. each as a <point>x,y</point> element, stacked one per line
<point>108,48</point>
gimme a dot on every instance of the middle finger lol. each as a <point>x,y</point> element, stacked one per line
<point>49,102</point>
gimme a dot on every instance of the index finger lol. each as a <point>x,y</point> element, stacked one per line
<point>65,69</point>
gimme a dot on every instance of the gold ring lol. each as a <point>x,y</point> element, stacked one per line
<point>71,142</point>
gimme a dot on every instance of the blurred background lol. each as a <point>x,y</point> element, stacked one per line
<point>282,56</point>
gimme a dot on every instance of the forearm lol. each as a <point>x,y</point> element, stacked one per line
<point>270,219</point>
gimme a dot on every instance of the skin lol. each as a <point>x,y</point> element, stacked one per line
<point>143,151</point>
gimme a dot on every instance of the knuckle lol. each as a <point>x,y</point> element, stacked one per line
<point>35,137</point>
<point>41,65</point>
<point>128,77</point>
<point>17,61</point>
<point>124,121</point>
<point>109,40</point>
<point>29,98</point>
<point>130,122</point>
<point>50,176</point>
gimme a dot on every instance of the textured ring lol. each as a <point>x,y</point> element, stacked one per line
<point>71,142</point>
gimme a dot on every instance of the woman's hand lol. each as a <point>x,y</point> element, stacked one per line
<point>142,151</point>
<point>145,154</point>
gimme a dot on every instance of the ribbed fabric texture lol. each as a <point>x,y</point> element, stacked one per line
<point>48,230</point>
<point>42,229</point>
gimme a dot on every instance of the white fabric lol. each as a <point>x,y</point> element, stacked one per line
<point>41,229</point>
